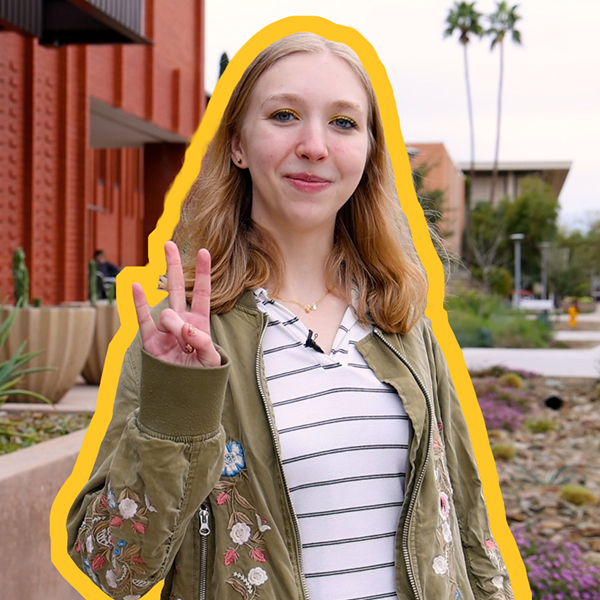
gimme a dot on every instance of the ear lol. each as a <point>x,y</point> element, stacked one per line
<point>237,152</point>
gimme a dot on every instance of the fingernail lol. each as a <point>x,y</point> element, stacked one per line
<point>192,331</point>
<point>188,348</point>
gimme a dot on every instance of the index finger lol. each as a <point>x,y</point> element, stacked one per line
<point>201,293</point>
<point>147,325</point>
<point>175,280</point>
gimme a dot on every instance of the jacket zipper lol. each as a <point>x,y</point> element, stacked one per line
<point>204,529</point>
<point>413,499</point>
<point>278,453</point>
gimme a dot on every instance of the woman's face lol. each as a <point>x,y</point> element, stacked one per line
<point>305,141</point>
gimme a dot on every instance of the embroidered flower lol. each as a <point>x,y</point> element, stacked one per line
<point>262,523</point>
<point>456,595</point>
<point>498,581</point>
<point>230,557</point>
<point>257,576</point>
<point>111,578</point>
<point>446,532</point>
<point>490,544</point>
<point>234,459</point>
<point>222,498</point>
<point>240,533</point>
<point>444,505</point>
<point>138,560</point>
<point>116,521</point>
<point>98,562</point>
<point>258,555</point>
<point>104,501</point>
<point>121,543</point>
<point>89,544</point>
<point>128,508</point>
<point>440,565</point>
<point>140,528</point>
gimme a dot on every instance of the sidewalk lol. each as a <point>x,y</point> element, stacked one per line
<point>550,362</point>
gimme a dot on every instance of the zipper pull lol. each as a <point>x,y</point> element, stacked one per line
<point>204,528</point>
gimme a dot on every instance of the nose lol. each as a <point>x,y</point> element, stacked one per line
<point>312,143</point>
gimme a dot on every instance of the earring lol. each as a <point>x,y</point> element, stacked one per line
<point>239,161</point>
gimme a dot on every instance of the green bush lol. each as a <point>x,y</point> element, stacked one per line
<point>479,320</point>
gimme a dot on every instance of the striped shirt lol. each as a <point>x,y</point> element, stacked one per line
<point>344,438</point>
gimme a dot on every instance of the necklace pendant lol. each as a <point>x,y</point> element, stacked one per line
<point>313,307</point>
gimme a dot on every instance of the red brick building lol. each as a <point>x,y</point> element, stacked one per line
<point>92,134</point>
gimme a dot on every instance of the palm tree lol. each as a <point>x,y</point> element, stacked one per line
<point>502,22</point>
<point>465,19</point>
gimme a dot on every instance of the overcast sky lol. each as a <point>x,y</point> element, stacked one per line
<point>551,83</point>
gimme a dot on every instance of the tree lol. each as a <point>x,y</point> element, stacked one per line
<point>502,22</point>
<point>533,213</point>
<point>465,19</point>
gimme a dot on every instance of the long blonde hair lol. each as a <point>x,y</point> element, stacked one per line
<point>373,250</point>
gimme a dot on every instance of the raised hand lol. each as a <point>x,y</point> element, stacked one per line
<point>180,337</point>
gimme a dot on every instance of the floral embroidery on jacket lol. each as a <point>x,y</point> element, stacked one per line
<point>501,582</point>
<point>245,530</point>
<point>443,564</point>
<point>100,549</point>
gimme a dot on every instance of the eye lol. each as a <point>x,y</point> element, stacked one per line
<point>285,115</point>
<point>344,122</point>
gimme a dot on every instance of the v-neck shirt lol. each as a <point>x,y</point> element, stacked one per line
<point>344,442</point>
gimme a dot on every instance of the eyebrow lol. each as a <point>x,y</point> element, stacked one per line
<point>339,104</point>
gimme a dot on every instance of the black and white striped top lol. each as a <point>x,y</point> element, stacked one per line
<point>344,437</point>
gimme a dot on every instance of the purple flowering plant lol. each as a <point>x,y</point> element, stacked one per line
<point>502,407</point>
<point>556,571</point>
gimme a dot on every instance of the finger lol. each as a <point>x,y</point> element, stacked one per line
<point>201,292</point>
<point>170,322</point>
<point>175,280</point>
<point>146,323</point>
<point>202,344</point>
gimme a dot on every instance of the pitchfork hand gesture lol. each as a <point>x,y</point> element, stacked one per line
<point>180,337</point>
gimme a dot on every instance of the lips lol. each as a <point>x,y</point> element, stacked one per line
<point>307,182</point>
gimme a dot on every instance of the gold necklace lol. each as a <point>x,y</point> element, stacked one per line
<point>306,307</point>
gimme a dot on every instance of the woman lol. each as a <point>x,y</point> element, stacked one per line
<point>287,426</point>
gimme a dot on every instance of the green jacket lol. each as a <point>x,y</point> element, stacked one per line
<point>188,485</point>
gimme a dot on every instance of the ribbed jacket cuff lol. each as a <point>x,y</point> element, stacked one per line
<point>181,401</point>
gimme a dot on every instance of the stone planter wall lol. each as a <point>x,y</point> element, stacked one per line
<point>63,333</point>
<point>29,481</point>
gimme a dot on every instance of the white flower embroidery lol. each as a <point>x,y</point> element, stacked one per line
<point>240,533</point>
<point>127,508</point>
<point>498,581</point>
<point>444,505</point>
<point>446,532</point>
<point>257,576</point>
<point>89,544</point>
<point>440,565</point>
<point>111,579</point>
<point>262,525</point>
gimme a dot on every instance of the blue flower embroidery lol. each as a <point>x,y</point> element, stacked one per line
<point>112,499</point>
<point>121,543</point>
<point>234,459</point>
<point>456,595</point>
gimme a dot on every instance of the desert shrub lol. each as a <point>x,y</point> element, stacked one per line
<point>541,425</point>
<point>576,494</point>
<point>556,571</point>
<point>512,379</point>
<point>504,451</point>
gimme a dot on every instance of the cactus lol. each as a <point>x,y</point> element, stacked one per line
<point>21,277</point>
<point>92,282</point>
<point>112,293</point>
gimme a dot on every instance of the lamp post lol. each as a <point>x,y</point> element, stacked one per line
<point>544,247</point>
<point>517,238</point>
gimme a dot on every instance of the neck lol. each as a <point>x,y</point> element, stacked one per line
<point>304,255</point>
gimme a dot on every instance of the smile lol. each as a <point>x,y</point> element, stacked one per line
<point>305,182</point>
